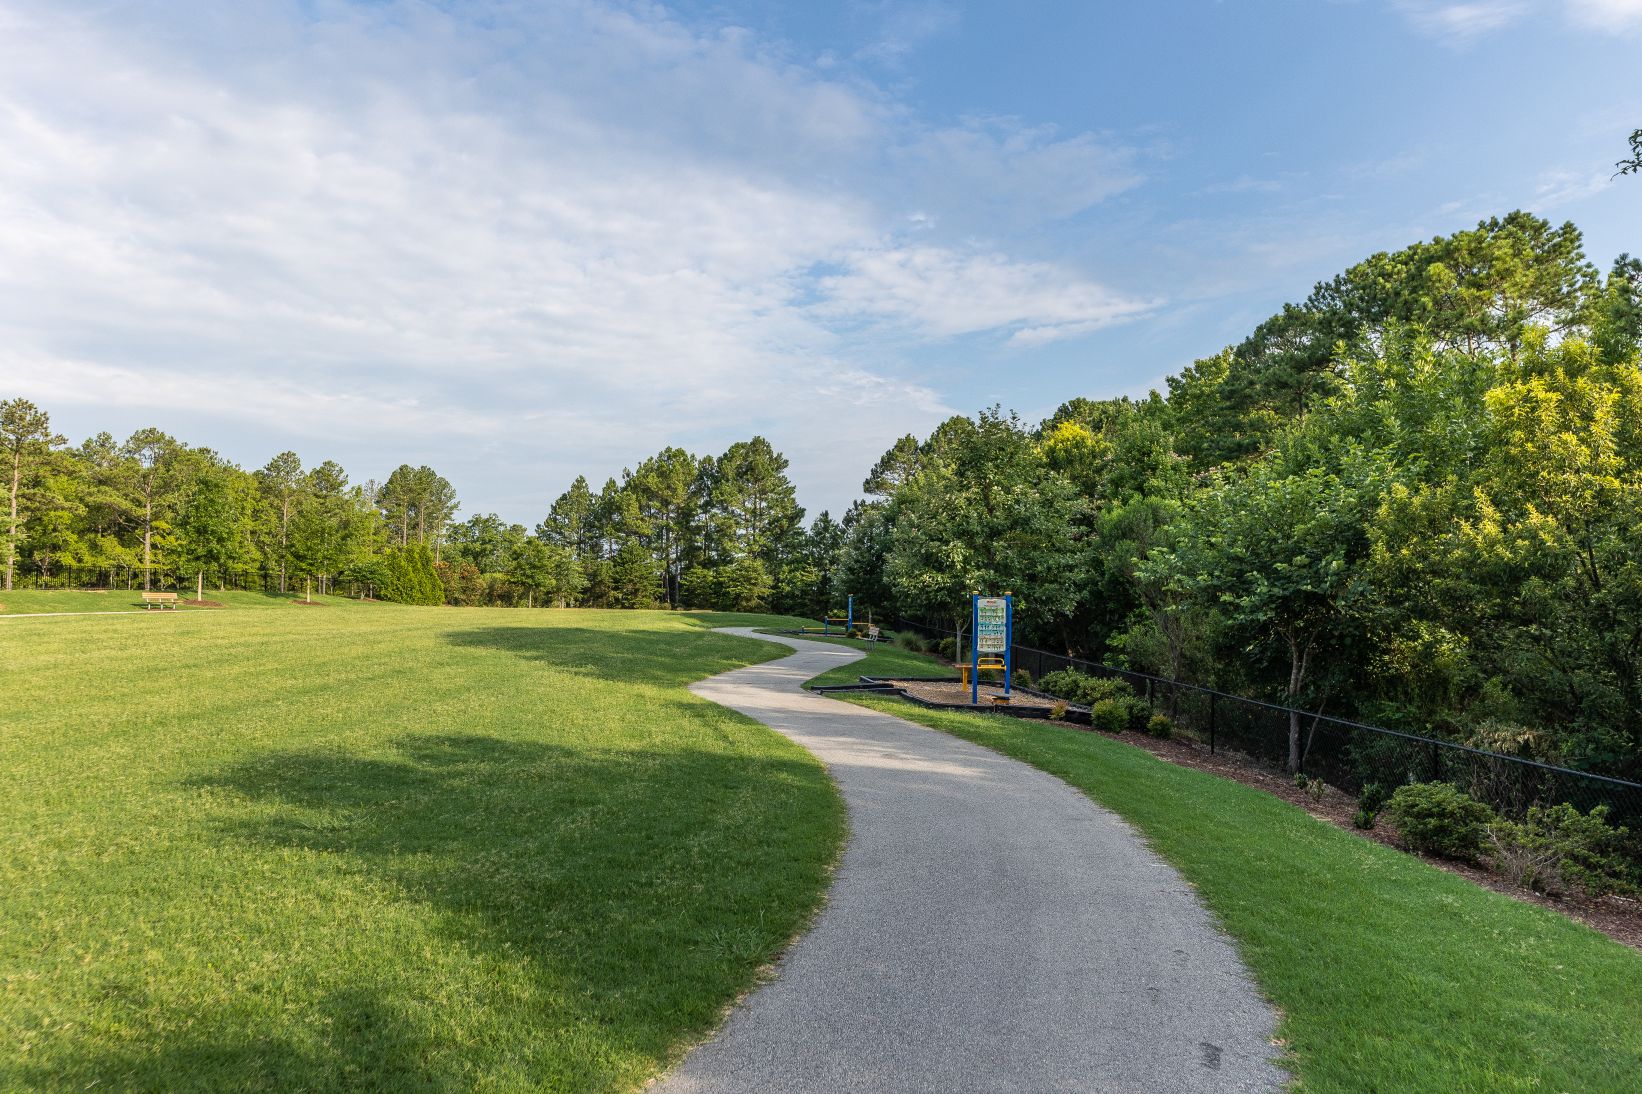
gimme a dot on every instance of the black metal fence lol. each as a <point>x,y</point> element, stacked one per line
<point>1344,753</point>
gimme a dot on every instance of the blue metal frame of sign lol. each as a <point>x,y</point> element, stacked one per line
<point>975,645</point>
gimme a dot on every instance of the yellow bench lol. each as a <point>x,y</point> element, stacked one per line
<point>984,664</point>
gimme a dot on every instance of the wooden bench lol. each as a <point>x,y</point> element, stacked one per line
<point>160,600</point>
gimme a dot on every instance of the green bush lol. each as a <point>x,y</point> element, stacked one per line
<point>1438,819</point>
<point>1160,725</point>
<point>1370,800</point>
<point>1558,848</point>
<point>947,648</point>
<point>1021,678</point>
<point>910,642</point>
<point>1112,715</point>
<point>1089,691</point>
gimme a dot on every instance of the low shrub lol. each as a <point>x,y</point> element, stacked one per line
<point>1111,715</point>
<point>1372,797</point>
<point>1558,848</point>
<point>1315,789</point>
<point>1021,678</point>
<point>1370,800</point>
<point>910,642</point>
<point>947,648</point>
<point>1057,710</point>
<point>1436,818</point>
<point>1160,725</point>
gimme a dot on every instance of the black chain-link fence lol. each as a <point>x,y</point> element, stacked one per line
<point>1344,753</point>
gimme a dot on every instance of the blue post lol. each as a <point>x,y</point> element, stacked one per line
<point>849,628</point>
<point>1008,641</point>
<point>974,650</point>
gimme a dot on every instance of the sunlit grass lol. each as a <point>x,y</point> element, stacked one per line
<point>385,848</point>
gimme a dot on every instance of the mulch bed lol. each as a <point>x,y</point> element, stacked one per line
<point>308,603</point>
<point>203,603</point>
<point>955,694</point>
<point>1620,918</point>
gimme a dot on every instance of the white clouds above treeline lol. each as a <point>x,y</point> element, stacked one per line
<point>575,232</point>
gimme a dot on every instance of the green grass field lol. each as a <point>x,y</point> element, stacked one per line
<point>1391,975</point>
<point>376,847</point>
<point>37,601</point>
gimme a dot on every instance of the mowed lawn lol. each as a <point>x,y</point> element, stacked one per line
<point>375,847</point>
<point>1390,974</point>
<point>48,601</point>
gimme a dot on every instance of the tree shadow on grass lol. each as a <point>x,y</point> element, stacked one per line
<point>352,1041</point>
<point>597,907</point>
<point>664,656</point>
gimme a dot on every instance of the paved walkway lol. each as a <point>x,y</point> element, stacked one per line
<point>989,928</point>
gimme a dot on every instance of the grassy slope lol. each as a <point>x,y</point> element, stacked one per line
<point>29,601</point>
<point>390,848</point>
<point>1391,975</point>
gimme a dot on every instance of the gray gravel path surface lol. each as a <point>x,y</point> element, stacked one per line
<point>989,928</point>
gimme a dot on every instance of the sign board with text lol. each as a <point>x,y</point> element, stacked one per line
<point>991,624</point>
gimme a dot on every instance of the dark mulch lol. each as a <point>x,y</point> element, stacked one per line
<point>203,603</point>
<point>308,603</point>
<point>1620,918</point>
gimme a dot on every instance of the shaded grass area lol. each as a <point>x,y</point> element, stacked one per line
<point>1391,975</point>
<point>396,849</point>
<point>29,601</point>
<point>883,659</point>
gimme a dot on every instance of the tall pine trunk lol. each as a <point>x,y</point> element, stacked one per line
<point>11,541</point>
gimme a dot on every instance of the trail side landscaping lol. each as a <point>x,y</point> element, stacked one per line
<point>1391,974</point>
<point>387,848</point>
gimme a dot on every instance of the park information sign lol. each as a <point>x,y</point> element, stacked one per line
<point>993,625</point>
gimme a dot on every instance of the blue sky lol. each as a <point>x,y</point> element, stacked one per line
<point>521,241</point>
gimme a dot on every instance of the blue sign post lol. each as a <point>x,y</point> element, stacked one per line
<point>992,623</point>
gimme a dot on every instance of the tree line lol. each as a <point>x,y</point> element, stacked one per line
<point>152,509</point>
<point>679,531</point>
<point>1412,498</point>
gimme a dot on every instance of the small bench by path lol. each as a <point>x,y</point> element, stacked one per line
<point>989,928</point>
<point>163,601</point>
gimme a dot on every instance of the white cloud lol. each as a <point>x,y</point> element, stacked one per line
<point>1610,15</point>
<point>1556,188</point>
<point>942,293</point>
<point>1461,22</point>
<point>571,235</point>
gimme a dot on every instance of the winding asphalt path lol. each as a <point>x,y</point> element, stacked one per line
<point>989,928</point>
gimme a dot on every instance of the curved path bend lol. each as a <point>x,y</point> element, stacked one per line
<point>989,928</point>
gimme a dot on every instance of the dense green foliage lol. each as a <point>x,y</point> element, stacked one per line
<point>1410,499</point>
<point>1389,974</point>
<point>366,847</point>
<point>722,532</point>
<point>1438,819</point>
